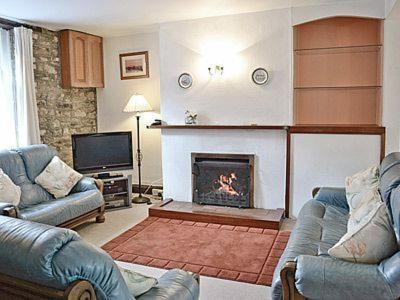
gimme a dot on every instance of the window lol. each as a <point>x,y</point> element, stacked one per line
<point>8,136</point>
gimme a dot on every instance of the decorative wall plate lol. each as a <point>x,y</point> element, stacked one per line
<point>185,80</point>
<point>260,76</point>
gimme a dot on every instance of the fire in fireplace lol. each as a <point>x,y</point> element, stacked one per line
<point>223,179</point>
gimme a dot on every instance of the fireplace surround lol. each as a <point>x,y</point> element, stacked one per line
<point>223,179</point>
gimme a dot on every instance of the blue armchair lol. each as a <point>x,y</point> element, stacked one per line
<point>23,165</point>
<point>306,270</point>
<point>39,261</point>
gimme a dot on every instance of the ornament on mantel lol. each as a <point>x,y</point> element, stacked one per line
<point>190,118</point>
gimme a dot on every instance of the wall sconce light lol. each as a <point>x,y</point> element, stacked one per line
<point>216,70</point>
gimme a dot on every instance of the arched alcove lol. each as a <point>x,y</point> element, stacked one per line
<point>338,71</point>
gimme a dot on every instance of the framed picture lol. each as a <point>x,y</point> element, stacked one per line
<point>260,76</point>
<point>185,80</point>
<point>134,65</point>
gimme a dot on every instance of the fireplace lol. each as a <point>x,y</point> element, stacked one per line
<point>223,179</point>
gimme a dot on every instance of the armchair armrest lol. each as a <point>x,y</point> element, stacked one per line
<point>9,210</point>
<point>175,284</point>
<point>323,277</point>
<point>86,184</point>
<point>332,196</point>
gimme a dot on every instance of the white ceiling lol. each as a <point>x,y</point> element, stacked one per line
<point>120,17</point>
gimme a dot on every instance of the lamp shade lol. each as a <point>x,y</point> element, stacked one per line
<point>137,103</point>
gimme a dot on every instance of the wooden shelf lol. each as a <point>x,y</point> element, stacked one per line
<point>247,127</point>
<point>333,129</point>
<point>321,129</point>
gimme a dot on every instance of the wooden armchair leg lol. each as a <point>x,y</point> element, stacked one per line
<point>289,291</point>
<point>101,218</point>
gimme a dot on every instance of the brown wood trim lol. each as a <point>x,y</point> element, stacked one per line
<point>98,212</point>
<point>289,290</point>
<point>16,288</point>
<point>161,211</point>
<point>10,212</point>
<point>332,129</point>
<point>288,173</point>
<point>250,127</point>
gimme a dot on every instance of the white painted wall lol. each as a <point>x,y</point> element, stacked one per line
<point>112,99</point>
<point>269,150</point>
<point>242,43</point>
<point>359,8</point>
<point>250,40</point>
<point>391,79</point>
<point>326,160</point>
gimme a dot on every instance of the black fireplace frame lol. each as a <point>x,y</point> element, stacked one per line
<point>248,157</point>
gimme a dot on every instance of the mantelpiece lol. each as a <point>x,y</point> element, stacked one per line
<point>290,130</point>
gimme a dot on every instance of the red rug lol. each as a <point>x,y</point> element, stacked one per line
<point>223,251</point>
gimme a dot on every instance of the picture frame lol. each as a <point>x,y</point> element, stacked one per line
<point>260,76</point>
<point>185,80</point>
<point>134,65</point>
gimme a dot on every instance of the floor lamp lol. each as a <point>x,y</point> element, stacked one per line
<point>138,104</point>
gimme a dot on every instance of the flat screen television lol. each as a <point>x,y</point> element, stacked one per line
<point>102,152</point>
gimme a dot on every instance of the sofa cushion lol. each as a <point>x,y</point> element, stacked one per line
<point>137,283</point>
<point>318,227</point>
<point>13,165</point>
<point>395,205</point>
<point>359,185</point>
<point>389,176</point>
<point>36,158</point>
<point>9,192</point>
<point>61,210</point>
<point>58,178</point>
<point>370,241</point>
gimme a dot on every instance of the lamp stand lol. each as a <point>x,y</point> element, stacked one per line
<point>140,198</point>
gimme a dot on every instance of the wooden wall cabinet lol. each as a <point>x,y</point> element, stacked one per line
<point>81,60</point>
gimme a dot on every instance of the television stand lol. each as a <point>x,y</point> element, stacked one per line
<point>117,190</point>
<point>107,175</point>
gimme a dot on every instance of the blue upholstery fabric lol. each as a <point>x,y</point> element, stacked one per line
<point>61,210</point>
<point>36,158</point>
<point>83,185</point>
<point>56,257</point>
<point>321,223</point>
<point>323,277</point>
<point>13,165</point>
<point>175,284</point>
<point>23,165</point>
<point>389,176</point>
<point>332,196</point>
<point>319,226</point>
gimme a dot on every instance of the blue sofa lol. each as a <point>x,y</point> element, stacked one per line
<point>306,270</point>
<point>39,261</point>
<point>23,165</point>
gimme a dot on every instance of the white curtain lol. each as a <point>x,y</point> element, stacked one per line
<point>8,135</point>
<point>26,108</point>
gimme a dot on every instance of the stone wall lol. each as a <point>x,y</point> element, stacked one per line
<point>62,112</point>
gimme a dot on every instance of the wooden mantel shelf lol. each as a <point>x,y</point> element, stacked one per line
<point>321,129</point>
<point>255,127</point>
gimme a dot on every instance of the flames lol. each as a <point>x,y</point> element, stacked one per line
<point>225,184</point>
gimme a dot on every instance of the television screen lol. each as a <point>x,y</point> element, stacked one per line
<point>102,152</point>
